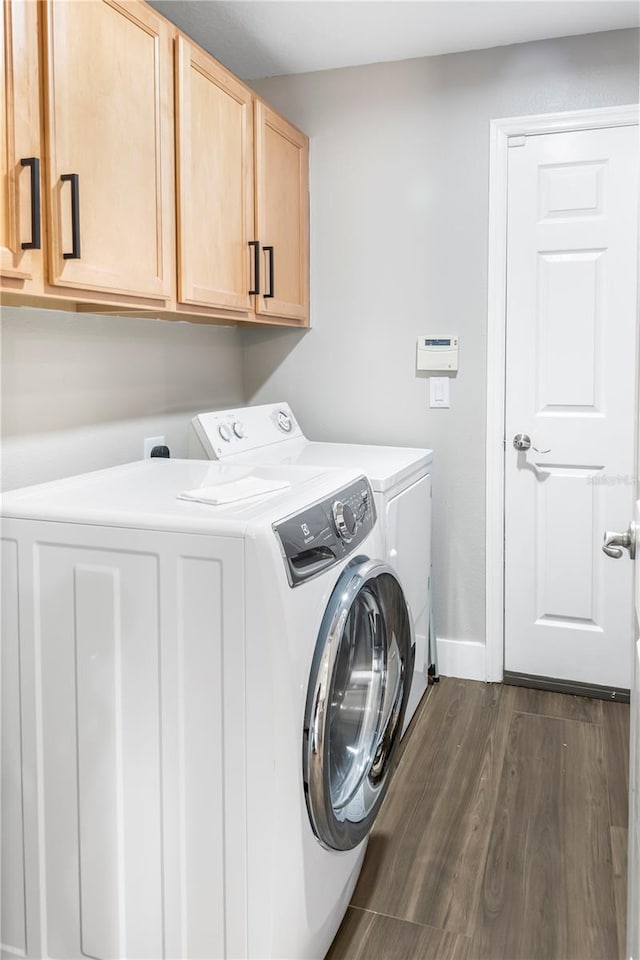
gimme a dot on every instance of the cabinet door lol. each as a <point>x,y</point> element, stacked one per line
<point>282,216</point>
<point>109,122</point>
<point>215,183</point>
<point>20,154</point>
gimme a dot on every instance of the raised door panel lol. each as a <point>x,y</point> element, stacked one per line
<point>20,151</point>
<point>13,906</point>
<point>215,183</point>
<point>282,216</point>
<point>109,105</point>
<point>99,740</point>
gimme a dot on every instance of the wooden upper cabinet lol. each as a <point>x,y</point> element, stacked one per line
<point>20,150</point>
<point>214,122</point>
<point>96,165</point>
<point>282,216</point>
<point>109,127</point>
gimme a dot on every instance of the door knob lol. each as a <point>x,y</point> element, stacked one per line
<point>522,441</point>
<point>615,542</point>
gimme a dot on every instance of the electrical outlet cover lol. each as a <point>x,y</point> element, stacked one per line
<point>150,443</point>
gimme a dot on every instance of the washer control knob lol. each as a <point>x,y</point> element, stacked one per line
<point>238,429</point>
<point>345,520</point>
<point>284,421</point>
<point>224,432</point>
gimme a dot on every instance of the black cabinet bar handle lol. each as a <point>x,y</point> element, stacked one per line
<point>34,163</point>
<point>269,250</point>
<point>74,180</point>
<point>256,266</point>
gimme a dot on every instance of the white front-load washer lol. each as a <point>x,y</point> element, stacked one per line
<point>401,482</point>
<point>202,706</point>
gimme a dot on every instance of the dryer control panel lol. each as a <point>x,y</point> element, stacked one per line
<point>323,534</point>
<point>226,433</point>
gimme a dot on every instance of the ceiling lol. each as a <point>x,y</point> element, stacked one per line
<point>266,38</point>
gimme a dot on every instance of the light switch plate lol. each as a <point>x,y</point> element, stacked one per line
<point>438,391</point>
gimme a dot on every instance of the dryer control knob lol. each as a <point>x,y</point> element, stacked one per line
<point>345,520</point>
<point>224,432</point>
<point>238,429</point>
<point>284,421</point>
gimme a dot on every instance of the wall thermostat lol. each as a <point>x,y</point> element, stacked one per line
<point>437,353</point>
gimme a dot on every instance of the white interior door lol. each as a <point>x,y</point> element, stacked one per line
<point>570,387</point>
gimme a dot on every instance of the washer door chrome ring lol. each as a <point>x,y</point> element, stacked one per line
<point>342,823</point>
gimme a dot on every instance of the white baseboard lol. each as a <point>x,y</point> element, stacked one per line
<point>466,659</point>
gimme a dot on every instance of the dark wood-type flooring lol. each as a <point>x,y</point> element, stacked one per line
<point>503,836</point>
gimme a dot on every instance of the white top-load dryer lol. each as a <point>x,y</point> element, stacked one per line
<point>400,478</point>
<point>201,709</point>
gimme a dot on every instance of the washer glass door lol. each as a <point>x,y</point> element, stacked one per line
<point>357,697</point>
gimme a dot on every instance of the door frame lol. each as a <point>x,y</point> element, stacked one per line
<point>500,133</point>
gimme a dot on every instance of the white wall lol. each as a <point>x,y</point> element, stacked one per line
<point>81,392</point>
<point>399,201</point>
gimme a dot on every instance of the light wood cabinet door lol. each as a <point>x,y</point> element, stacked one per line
<point>215,183</point>
<point>282,216</point>
<point>109,125</point>
<point>20,150</point>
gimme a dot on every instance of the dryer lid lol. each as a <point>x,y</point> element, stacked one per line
<point>270,435</point>
<point>385,467</point>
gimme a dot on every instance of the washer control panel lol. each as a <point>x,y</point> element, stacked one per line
<point>325,533</point>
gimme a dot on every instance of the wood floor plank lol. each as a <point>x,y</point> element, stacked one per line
<point>372,936</point>
<point>419,716</point>
<point>563,705</point>
<point>427,852</point>
<point>423,734</point>
<point>616,731</point>
<point>548,886</point>
<point>619,842</point>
